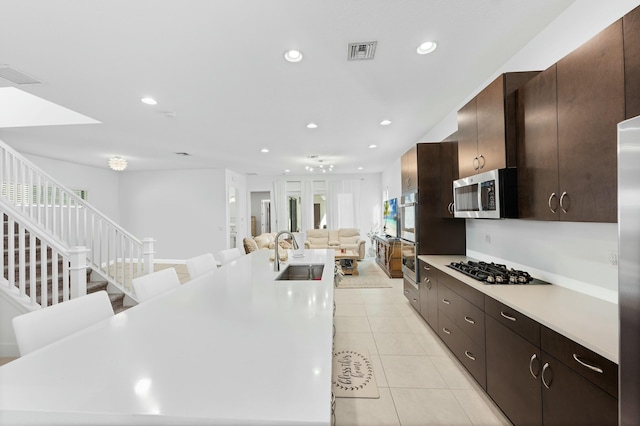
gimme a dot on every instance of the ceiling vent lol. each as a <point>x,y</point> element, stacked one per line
<point>15,76</point>
<point>362,51</point>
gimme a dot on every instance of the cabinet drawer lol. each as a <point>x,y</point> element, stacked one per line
<point>469,293</point>
<point>595,368</point>
<point>427,272</point>
<point>469,353</point>
<point>521,324</point>
<point>412,294</point>
<point>468,317</point>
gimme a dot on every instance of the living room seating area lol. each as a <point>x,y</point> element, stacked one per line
<point>343,238</point>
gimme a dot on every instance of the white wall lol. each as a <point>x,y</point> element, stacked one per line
<point>184,210</point>
<point>102,184</point>
<point>571,254</point>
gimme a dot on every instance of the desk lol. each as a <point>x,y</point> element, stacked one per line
<point>231,347</point>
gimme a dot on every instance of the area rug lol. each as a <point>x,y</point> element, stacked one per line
<point>370,276</point>
<point>353,375</point>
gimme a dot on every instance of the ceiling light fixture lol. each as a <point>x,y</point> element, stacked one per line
<point>312,126</point>
<point>149,101</point>
<point>293,55</point>
<point>426,47</point>
<point>117,163</point>
<point>385,122</point>
<point>264,150</point>
<point>373,145</point>
<point>360,168</point>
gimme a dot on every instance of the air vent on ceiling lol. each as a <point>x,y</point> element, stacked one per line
<point>362,51</point>
<point>183,154</point>
<point>17,77</point>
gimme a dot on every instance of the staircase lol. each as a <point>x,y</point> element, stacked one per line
<point>93,285</point>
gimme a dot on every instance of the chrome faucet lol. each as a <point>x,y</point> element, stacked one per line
<point>276,261</point>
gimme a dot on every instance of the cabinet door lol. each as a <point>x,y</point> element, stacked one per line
<point>590,105</point>
<point>448,173</point>
<point>429,294</point>
<point>491,126</point>
<point>538,196</point>
<point>631,26</point>
<point>570,399</point>
<point>409,170</point>
<point>513,370</point>
<point>467,140</point>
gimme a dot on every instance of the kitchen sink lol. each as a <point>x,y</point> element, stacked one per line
<point>302,273</point>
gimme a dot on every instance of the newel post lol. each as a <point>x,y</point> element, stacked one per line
<point>148,253</point>
<point>78,271</point>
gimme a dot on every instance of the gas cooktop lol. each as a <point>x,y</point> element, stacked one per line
<point>494,273</point>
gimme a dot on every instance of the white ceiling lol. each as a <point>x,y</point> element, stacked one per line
<point>218,67</point>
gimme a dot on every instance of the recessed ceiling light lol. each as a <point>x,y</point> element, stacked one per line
<point>117,163</point>
<point>264,150</point>
<point>149,101</point>
<point>385,122</point>
<point>312,126</point>
<point>293,55</point>
<point>360,168</point>
<point>373,145</point>
<point>426,47</point>
<point>287,170</point>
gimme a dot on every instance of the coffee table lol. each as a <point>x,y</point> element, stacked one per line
<point>348,261</point>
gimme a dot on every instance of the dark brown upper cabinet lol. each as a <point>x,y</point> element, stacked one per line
<point>631,28</point>
<point>567,157</point>
<point>487,128</point>
<point>409,170</point>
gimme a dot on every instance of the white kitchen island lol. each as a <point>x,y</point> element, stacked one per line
<point>233,347</point>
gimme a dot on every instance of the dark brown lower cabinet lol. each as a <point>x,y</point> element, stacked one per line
<point>570,399</point>
<point>513,374</point>
<point>428,293</point>
<point>412,294</point>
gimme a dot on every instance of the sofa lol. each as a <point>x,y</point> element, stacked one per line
<point>263,241</point>
<point>343,238</point>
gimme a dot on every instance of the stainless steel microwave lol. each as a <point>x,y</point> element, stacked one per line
<point>488,195</point>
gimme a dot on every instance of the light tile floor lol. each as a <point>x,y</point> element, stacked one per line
<point>420,382</point>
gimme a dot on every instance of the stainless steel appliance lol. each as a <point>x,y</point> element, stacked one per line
<point>494,273</point>
<point>409,260</point>
<point>629,269</point>
<point>407,214</point>
<point>488,195</point>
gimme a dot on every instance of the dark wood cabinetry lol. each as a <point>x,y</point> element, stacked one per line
<point>537,376</point>
<point>631,32</point>
<point>435,234</point>
<point>428,286</point>
<point>461,324</point>
<point>448,173</point>
<point>389,256</point>
<point>487,126</point>
<point>567,144</point>
<point>412,293</point>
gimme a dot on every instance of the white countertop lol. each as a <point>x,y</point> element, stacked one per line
<point>587,320</point>
<point>231,347</point>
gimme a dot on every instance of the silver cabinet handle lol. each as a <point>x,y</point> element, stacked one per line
<point>483,162</point>
<point>551,197</point>
<point>427,281</point>
<point>426,268</point>
<point>409,182</point>
<point>564,194</point>
<point>507,316</point>
<point>589,366</point>
<point>406,292</point>
<point>545,367</point>
<point>533,358</point>
<point>450,208</point>
<point>446,330</point>
<point>476,161</point>
<point>469,320</point>
<point>446,302</point>
<point>470,355</point>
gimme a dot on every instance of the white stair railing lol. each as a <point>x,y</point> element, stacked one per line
<point>29,255</point>
<point>113,252</point>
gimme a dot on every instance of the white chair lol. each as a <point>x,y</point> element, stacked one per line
<point>47,325</point>
<point>200,265</point>
<point>226,256</point>
<point>151,285</point>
